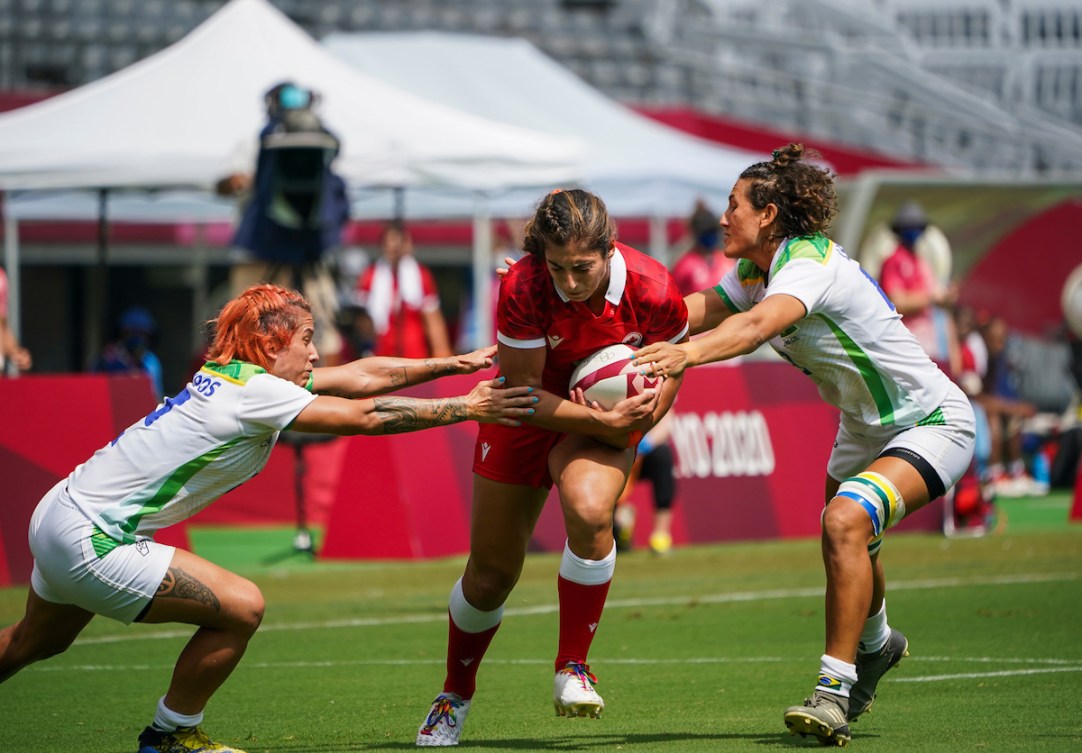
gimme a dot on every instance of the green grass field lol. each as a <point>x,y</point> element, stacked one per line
<point>700,651</point>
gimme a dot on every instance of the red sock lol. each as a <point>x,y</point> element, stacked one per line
<point>464,654</point>
<point>580,613</point>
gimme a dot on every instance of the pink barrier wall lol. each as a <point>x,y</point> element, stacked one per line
<point>751,443</point>
<point>50,425</point>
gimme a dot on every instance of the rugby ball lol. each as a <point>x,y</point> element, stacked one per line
<point>607,376</point>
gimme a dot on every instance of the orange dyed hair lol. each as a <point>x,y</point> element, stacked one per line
<point>262,318</point>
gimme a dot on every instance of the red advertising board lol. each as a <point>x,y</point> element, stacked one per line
<point>751,443</point>
<point>52,424</point>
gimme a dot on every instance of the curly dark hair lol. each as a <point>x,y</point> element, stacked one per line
<point>803,193</point>
<point>570,216</point>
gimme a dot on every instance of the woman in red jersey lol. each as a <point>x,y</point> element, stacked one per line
<point>576,291</point>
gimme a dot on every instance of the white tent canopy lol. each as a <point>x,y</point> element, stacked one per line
<point>641,168</point>
<point>190,114</point>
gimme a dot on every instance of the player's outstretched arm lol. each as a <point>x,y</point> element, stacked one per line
<point>488,402</point>
<point>378,375</point>
<point>737,335</point>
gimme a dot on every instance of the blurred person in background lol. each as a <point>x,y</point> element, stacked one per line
<point>130,351</point>
<point>576,291</point>
<point>294,208</point>
<point>92,534</point>
<point>702,265</point>
<point>1006,412</point>
<point>400,295</point>
<point>906,431</point>
<point>14,358</point>
<point>916,278</point>
<point>654,462</point>
<point>974,495</point>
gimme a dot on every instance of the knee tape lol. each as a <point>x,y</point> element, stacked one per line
<point>879,498</point>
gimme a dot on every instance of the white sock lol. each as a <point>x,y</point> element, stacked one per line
<point>836,676</point>
<point>167,720</point>
<point>587,572</point>
<point>876,632</point>
<point>469,618</point>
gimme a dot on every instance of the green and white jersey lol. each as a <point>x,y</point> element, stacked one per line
<point>852,342</point>
<point>214,435</point>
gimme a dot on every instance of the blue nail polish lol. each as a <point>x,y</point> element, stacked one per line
<point>503,379</point>
<point>531,411</point>
<point>536,399</point>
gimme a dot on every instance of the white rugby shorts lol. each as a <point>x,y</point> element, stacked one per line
<point>69,570</point>
<point>947,447</point>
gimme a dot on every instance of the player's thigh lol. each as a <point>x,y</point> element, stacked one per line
<point>589,476</point>
<point>502,520</point>
<point>49,628</point>
<point>198,592</point>
<point>924,461</point>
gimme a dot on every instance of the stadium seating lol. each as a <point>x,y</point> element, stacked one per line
<point>987,84</point>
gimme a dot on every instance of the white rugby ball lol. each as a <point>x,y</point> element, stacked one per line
<point>607,376</point>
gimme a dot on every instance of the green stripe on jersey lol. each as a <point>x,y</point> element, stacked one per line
<point>748,273</point>
<point>238,372</point>
<point>172,485</point>
<point>872,379</point>
<point>726,299</point>
<point>814,247</point>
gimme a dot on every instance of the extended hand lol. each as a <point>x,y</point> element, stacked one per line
<point>502,271</point>
<point>476,360</point>
<point>491,402</point>
<point>661,359</point>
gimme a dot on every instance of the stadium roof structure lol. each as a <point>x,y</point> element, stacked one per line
<point>640,167</point>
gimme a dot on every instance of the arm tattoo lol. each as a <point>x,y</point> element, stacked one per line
<point>177,584</point>
<point>403,414</point>
<point>430,368</point>
<point>441,367</point>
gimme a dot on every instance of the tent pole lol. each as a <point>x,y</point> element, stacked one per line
<point>659,243</point>
<point>851,222</point>
<point>399,203</point>
<point>482,273</point>
<point>11,266</point>
<point>97,309</point>
<point>199,289</point>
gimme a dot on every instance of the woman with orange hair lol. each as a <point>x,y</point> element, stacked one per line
<point>92,534</point>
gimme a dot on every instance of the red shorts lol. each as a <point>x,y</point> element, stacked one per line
<point>515,454</point>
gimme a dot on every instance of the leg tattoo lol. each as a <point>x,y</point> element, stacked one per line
<point>178,584</point>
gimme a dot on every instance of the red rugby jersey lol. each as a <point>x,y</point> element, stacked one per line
<point>642,306</point>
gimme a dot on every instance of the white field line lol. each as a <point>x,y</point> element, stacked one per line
<point>895,677</point>
<point>725,598</point>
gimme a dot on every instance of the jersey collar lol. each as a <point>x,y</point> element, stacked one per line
<point>617,279</point>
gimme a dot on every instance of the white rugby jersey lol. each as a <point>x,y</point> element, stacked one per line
<point>852,342</point>
<point>213,436</point>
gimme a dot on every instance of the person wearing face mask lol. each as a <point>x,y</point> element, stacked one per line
<point>576,290</point>
<point>131,351</point>
<point>703,264</point>
<point>920,294</point>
